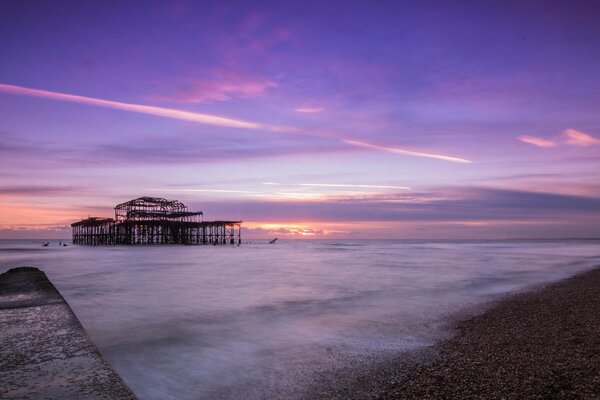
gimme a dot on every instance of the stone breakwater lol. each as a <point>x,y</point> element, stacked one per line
<point>44,351</point>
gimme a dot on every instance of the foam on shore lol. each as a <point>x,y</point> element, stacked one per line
<point>542,344</point>
<point>45,353</point>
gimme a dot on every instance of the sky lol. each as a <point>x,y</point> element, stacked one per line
<point>305,119</point>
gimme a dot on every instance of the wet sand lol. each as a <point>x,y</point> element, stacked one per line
<point>541,344</point>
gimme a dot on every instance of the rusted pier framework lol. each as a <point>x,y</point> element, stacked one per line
<point>149,220</point>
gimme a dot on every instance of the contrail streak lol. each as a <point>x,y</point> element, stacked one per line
<point>354,186</point>
<point>143,109</point>
<point>397,150</point>
<point>207,119</point>
<point>339,185</point>
<point>202,190</point>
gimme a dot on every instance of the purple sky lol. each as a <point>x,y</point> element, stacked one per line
<point>439,119</point>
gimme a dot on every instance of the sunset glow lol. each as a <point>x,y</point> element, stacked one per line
<point>364,125</point>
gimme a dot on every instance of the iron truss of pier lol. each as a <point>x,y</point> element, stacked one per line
<point>150,220</point>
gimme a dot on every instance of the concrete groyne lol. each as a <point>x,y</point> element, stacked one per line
<point>44,351</point>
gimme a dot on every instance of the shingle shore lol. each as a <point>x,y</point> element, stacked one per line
<point>543,344</point>
<point>44,351</point>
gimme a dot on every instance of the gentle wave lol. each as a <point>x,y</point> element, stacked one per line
<point>261,321</point>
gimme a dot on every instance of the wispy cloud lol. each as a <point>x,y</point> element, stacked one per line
<point>576,138</point>
<point>443,204</point>
<point>200,118</point>
<point>339,185</point>
<point>308,110</point>
<point>220,86</point>
<point>20,155</point>
<point>569,137</point>
<point>398,150</point>
<point>32,190</point>
<point>536,141</point>
<point>209,119</point>
<point>294,195</point>
<point>203,191</point>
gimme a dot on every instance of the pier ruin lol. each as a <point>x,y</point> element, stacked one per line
<point>151,220</point>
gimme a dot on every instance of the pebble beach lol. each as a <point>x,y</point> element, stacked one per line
<point>540,344</point>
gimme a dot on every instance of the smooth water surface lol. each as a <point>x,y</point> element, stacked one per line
<point>259,320</point>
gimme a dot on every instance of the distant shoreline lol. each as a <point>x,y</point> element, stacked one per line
<point>540,344</point>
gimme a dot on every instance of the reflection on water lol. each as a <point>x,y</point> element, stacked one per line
<point>258,320</point>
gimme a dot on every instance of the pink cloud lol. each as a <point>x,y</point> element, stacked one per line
<point>257,34</point>
<point>570,137</point>
<point>536,141</point>
<point>576,138</point>
<point>308,110</point>
<point>221,86</point>
<point>253,39</point>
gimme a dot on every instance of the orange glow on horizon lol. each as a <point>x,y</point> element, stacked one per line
<point>16,215</point>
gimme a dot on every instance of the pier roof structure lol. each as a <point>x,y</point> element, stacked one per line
<point>155,208</point>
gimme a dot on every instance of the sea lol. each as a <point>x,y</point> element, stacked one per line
<point>266,320</point>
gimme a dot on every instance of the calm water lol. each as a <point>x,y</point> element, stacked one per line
<point>263,320</point>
